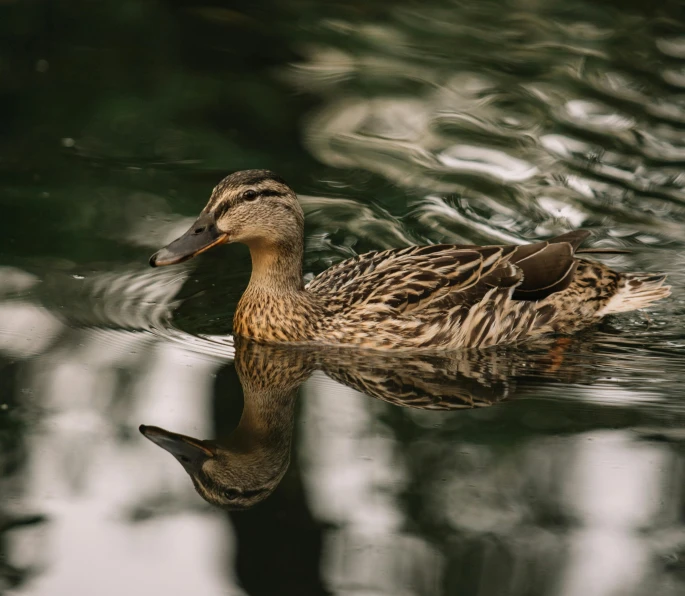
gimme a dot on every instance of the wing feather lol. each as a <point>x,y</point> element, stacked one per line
<point>412,279</point>
<point>407,279</point>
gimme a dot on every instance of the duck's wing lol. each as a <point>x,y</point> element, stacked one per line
<point>407,279</point>
<point>466,379</point>
<point>547,267</point>
<point>414,278</point>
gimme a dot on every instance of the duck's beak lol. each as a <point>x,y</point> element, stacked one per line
<point>186,450</point>
<point>201,236</point>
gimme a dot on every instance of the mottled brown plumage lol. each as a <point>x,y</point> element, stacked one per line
<point>242,469</point>
<point>420,297</point>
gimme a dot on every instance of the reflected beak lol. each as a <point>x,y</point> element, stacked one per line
<point>201,236</point>
<point>186,450</point>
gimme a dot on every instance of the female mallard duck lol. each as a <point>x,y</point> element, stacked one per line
<point>243,468</point>
<point>439,296</point>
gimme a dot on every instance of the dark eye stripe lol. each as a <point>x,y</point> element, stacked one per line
<point>255,492</point>
<point>221,209</point>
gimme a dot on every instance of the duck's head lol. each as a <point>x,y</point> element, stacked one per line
<point>232,479</point>
<point>255,207</point>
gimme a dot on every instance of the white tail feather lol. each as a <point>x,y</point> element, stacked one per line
<point>636,290</point>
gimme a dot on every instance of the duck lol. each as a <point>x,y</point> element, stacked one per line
<point>430,297</point>
<point>243,468</point>
<point>238,471</point>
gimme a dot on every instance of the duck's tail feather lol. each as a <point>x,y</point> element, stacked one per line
<point>636,290</point>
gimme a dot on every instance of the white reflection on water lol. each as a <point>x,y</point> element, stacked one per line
<point>352,471</point>
<point>155,558</point>
<point>470,159</point>
<point>26,329</point>
<point>615,489</point>
<point>354,475</point>
<point>85,478</point>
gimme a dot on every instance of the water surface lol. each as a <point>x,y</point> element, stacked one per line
<point>555,469</point>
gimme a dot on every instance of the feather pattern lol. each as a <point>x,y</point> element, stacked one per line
<point>454,296</point>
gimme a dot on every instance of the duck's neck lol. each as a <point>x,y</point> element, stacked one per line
<point>276,268</point>
<point>266,423</point>
<point>270,378</point>
<point>275,306</point>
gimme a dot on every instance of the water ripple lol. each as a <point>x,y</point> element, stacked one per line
<point>557,123</point>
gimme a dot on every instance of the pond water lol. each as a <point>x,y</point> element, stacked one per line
<point>554,469</point>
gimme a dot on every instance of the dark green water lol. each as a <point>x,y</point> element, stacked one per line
<point>397,123</point>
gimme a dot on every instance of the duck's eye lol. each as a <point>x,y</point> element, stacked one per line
<point>250,195</point>
<point>232,493</point>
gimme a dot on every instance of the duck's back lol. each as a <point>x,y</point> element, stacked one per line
<point>448,296</point>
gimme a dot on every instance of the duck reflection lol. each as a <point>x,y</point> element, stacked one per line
<point>242,469</point>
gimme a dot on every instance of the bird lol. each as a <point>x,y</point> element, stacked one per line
<point>240,470</point>
<point>431,297</point>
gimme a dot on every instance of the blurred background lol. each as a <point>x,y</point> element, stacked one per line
<point>397,123</point>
